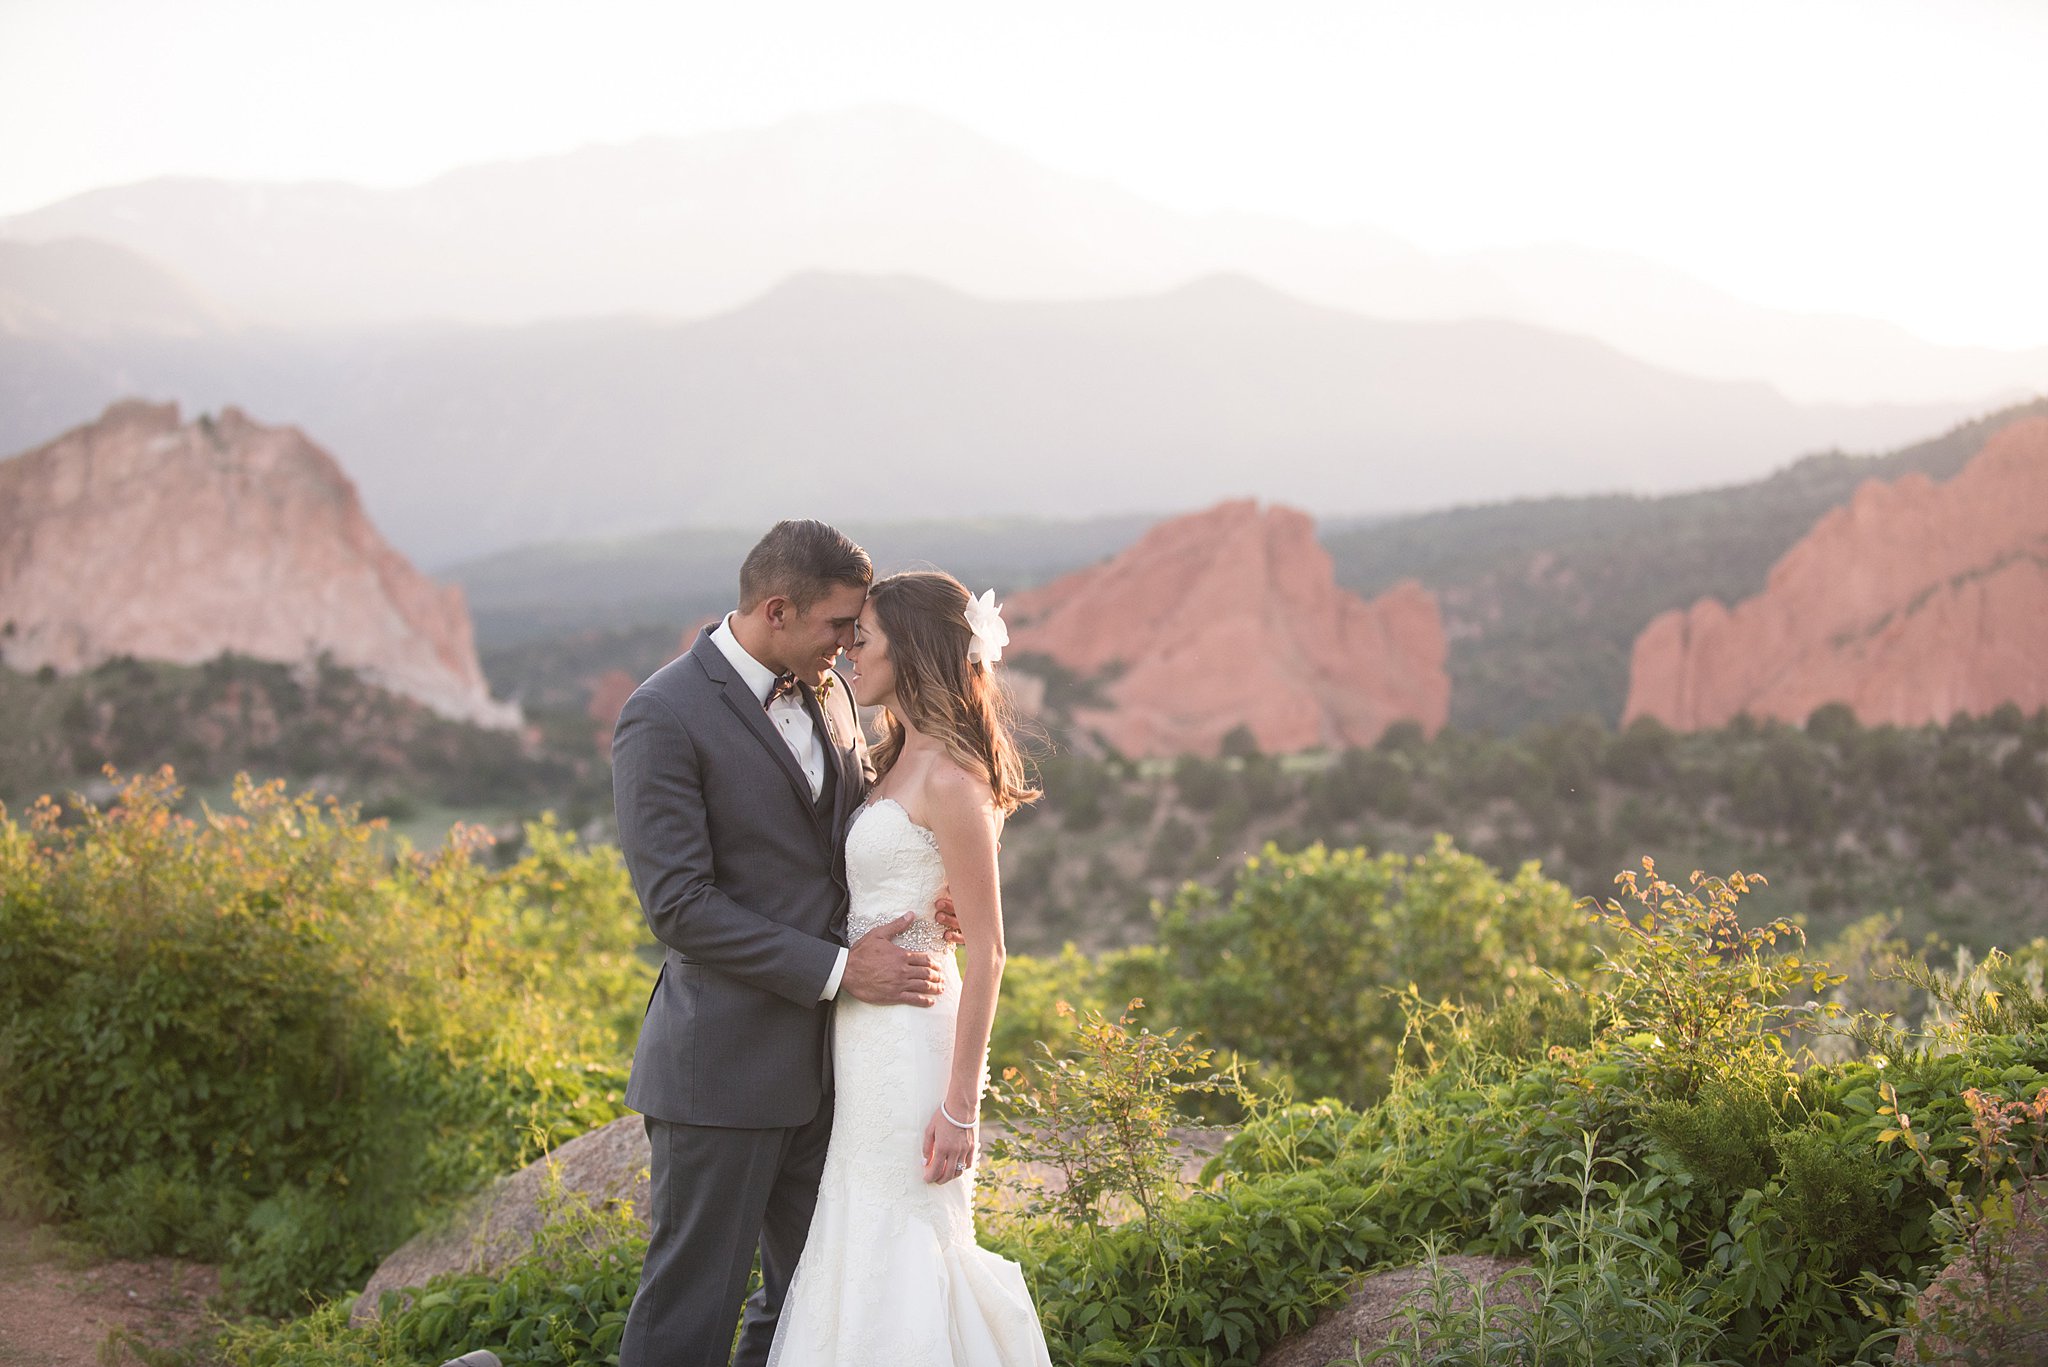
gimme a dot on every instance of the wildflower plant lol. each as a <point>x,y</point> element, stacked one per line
<point>1103,1117</point>
<point>1684,983</point>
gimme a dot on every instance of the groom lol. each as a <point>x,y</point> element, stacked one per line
<point>736,769</point>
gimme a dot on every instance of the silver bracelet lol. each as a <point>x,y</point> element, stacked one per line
<point>956,1124</point>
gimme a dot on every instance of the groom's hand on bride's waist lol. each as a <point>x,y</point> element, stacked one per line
<point>883,973</point>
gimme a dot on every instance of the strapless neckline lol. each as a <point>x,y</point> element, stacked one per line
<point>893,866</point>
<point>925,831</point>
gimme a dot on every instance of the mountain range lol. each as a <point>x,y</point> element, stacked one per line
<point>689,227</point>
<point>84,288</point>
<point>894,398</point>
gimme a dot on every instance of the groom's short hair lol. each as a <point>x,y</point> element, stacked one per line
<point>801,559</point>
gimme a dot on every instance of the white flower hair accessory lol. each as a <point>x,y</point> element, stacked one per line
<point>985,619</point>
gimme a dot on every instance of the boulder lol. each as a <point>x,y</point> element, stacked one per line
<point>494,1228</point>
<point>1372,1309</point>
<point>1991,1306</point>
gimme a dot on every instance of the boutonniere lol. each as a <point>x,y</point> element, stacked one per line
<point>824,692</point>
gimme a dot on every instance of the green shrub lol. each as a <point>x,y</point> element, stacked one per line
<point>1832,1196</point>
<point>1686,984</point>
<point>1724,1135</point>
<point>564,1302</point>
<point>1601,1292</point>
<point>1298,970</point>
<point>1752,1170</point>
<point>1043,998</point>
<point>1752,1205</point>
<point>1210,1282</point>
<point>1208,1277</point>
<point>1104,1118</point>
<point>259,1037</point>
<point>1994,1220</point>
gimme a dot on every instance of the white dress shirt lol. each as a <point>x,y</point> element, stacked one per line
<point>793,720</point>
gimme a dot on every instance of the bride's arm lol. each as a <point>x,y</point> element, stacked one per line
<point>963,817</point>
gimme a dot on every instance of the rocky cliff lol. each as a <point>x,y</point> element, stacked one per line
<point>141,535</point>
<point>1912,602</point>
<point>1232,617</point>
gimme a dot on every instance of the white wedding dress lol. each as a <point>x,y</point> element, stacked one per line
<point>891,1272</point>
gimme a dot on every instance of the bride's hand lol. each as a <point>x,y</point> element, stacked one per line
<point>948,919</point>
<point>948,1149</point>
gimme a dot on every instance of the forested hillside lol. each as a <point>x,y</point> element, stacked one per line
<point>1948,826</point>
<point>234,714</point>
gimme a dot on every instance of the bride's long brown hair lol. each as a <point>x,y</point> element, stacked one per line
<point>960,704</point>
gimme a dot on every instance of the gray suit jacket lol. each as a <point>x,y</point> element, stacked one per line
<point>745,883</point>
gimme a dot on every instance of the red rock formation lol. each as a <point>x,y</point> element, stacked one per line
<point>136,535</point>
<point>1232,617</point>
<point>1910,603</point>
<point>609,693</point>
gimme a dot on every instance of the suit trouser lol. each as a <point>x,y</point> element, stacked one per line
<point>714,1195</point>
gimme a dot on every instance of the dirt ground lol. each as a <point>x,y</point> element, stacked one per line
<point>56,1315</point>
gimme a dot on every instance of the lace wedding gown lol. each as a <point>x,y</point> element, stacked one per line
<point>891,1272</point>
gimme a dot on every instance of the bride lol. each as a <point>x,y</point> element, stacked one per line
<point>891,1271</point>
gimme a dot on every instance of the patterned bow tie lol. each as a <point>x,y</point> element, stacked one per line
<point>785,686</point>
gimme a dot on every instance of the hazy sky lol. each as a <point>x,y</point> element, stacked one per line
<point>1870,156</point>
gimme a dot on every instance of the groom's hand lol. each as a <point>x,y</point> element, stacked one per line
<point>883,973</point>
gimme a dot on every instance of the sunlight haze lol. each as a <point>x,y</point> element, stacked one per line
<point>1876,159</point>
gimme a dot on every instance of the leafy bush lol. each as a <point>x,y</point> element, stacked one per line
<point>1104,1119</point>
<point>1601,1292</point>
<point>564,1302</point>
<point>1298,971</point>
<point>1045,998</point>
<point>1212,1280</point>
<point>1687,983</point>
<point>258,1037</point>
<point>1775,1180</point>
<point>1205,1277</point>
<point>1993,1305</point>
<point>1733,1200</point>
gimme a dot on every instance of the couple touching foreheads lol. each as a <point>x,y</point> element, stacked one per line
<point>812,1059</point>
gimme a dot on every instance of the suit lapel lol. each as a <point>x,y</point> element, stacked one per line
<point>839,746</point>
<point>754,717</point>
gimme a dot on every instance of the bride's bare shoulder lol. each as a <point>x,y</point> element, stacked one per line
<point>954,797</point>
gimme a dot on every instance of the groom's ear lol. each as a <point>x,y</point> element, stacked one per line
<point>776,608</point>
